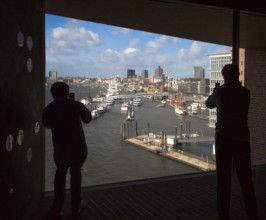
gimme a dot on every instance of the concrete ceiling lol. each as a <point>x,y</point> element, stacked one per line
<point>201,22</point>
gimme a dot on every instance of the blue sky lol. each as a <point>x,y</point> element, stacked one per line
<point>81,48</point>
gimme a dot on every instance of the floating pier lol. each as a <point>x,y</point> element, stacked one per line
<point>165,150</point>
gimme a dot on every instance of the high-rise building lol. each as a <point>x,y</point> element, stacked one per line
<point>158,76</point>
<point>131,73</point>
<point>53,75</point>
<point>144,73</point>
<point>199,72</point>
<point>158,72</point>
<point>217,62</point>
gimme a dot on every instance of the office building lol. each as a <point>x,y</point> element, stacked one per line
<point>53,75</point>
<point>144,73</point>
<point>199,72</point>
<point>131,73</point>
<point>158,72</point>
<point>217,61</point>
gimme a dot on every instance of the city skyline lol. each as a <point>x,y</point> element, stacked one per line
<point>89,49</point>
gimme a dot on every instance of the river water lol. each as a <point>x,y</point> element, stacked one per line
<point>110,160</point>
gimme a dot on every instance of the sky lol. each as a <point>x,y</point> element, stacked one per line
<point>89,49</point>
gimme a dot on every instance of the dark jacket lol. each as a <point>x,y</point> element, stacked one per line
<point>232,102</point>
<point>64,117</point>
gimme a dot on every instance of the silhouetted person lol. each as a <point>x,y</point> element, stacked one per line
<point>64,116</point>
<point>232,141</point>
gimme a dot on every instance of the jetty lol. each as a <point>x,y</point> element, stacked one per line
<point>166,150</point>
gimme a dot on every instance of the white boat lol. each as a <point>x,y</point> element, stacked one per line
<point>95,114</point>
<point>180,110</point>
<point>112,89</point>
<point>101,108</point>
<point>109,102</point>
<point>84,101</point>
<point>124,106</point>
<point>136,102</point>
<point>194,108</point>
<point>98,99</point>
<point>163,103</point>
<point>130,113</point>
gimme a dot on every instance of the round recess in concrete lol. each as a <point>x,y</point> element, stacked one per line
<point>9,142</point>
<point>37,128</point>
<point>29,155</point>
<point>20,137</point>
<point>29,43</point>
<point>29,65</point>
<point>20,39</point>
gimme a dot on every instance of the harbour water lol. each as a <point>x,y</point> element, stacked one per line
<point>110,160</point>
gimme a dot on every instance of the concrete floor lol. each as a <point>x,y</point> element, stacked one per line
<point>186,197</point>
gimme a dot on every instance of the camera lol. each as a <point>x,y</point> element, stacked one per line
<point>71,95</point>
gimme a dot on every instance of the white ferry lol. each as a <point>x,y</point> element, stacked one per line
<point>112,90</point>
<point>136,102</point>
<point>109,102</point>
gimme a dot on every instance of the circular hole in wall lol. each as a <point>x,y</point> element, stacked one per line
<point>29,64</point>
<point>20,39</point>
<point>37,128</point>
<point>20,137</point>
<point>29,43</point>
<point>9,142</point>
<point>29,155</point>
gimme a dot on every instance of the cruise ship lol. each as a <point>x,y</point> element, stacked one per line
<point>113,90</point>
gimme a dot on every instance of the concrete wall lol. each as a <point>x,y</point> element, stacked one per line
<point>255,80</point>
<point>21,98</point>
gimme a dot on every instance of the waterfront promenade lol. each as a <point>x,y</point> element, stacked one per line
<point>143,142</point>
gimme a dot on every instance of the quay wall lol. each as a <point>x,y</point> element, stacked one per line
<point>173,155</point>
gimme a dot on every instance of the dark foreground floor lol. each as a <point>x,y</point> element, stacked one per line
<point>180,198</point>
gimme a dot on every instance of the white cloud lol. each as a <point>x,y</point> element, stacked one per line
<point>162,39</point>
<point>71,40</point>
<point>153,47</point>
<point>126,31</point>
<point>71,49</point>
<point>195,51</point>
<point>123,31</point>
<point>130,50</point>
<point>134,42</point>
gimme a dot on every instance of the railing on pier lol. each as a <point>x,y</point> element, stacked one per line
<point>165,143</point>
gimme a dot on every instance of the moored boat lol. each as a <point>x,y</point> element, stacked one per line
<point>180,110</point>
<point>95,114</point>
<point>109,101</point>
<point>124,106</point>
<point>130,114</point>
<point>136,102</point>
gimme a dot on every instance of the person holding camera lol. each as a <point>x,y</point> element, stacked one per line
<point>64,116</point>
<point>232,141</point>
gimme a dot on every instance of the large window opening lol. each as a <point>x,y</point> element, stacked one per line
<point>170,132</point>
